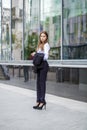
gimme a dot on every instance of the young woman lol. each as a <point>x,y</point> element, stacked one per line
<point>43,47</point>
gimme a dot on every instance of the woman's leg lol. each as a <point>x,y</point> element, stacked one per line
<point>42,81</point>
<point>38,87</point>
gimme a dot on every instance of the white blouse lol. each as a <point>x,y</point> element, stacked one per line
<point>45,51</point>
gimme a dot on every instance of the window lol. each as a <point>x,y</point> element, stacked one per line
<point>20,12</point>
<point>13,11</point>
<point>13,24</point>
<point>75,30</point>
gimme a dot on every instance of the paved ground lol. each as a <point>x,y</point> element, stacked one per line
<point>66,90</point>
<point>16,112</point>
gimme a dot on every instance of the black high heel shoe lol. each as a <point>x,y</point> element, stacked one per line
<point>41,106</point>
<point>35,107</point>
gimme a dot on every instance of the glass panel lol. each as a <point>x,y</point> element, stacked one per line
<point>45,15</point>
<point>5,30</point>
<point>17,29</point>
<point>32,31</point>
<point>75,29</point>
<point>51,22</point>
<point>0,29</point>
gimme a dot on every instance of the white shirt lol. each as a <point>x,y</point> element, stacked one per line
<point>45,51</point>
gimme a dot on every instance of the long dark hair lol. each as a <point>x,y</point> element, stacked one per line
<point>40,44</point>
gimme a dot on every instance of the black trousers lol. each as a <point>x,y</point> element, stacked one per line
<point>41,82</point>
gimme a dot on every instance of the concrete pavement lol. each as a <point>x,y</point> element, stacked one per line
<point>16,112</point>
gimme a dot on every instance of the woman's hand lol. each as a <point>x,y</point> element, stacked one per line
<point>33,53</point>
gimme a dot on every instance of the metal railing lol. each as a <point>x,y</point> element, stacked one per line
<point>52,63</point>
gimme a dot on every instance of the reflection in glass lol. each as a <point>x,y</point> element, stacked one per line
<point>75,29</point>
<point>51,22</point>
<point>5,30</point>
<point>31,20</point>
<point>17,28</point>
<point>45,15</point>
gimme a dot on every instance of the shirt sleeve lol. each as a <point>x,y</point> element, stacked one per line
<point>46,51</point>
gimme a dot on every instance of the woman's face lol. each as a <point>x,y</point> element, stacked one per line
<point>43,37</point>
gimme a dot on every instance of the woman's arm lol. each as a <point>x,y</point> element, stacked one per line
<point>46,51</point>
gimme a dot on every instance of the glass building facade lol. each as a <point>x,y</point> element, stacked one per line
<point>21,22</point>
<point>75,29</point>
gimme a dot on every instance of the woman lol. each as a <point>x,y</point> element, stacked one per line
<point>43,47</point>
